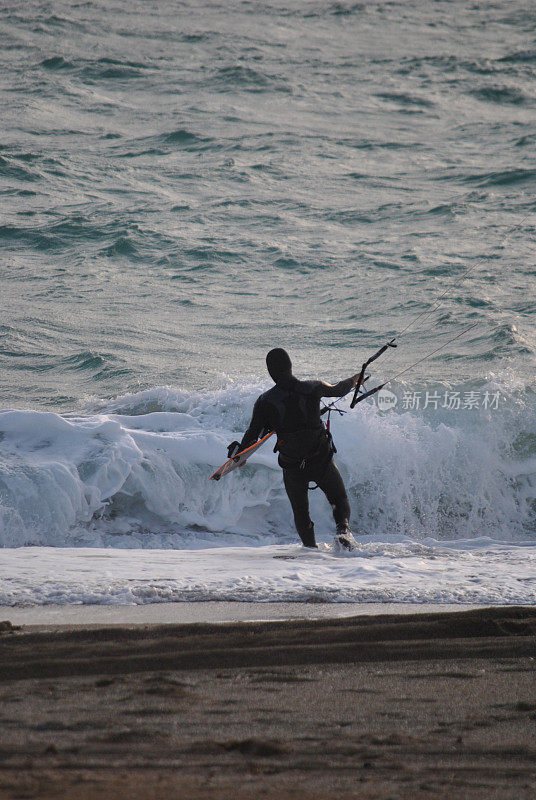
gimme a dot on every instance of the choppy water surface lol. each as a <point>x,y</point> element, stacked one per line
<point>187,184</point>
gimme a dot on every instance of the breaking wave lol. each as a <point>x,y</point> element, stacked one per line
<point>133,472</point>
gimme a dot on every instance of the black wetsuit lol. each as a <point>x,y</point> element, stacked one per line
<point>292,409</point>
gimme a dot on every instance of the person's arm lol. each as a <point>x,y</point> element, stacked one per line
<point>257,425</point>
<point>339,389</point>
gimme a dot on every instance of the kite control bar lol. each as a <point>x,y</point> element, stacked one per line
<point>364,396</point>
<point>361,380</point>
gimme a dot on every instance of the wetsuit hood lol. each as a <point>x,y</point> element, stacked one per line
<point>279,365</point>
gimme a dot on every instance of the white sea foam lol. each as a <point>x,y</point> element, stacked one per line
<point>392,572</point>
<point>134,473</point>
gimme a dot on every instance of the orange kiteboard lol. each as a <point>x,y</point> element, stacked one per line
<point>239,459</point>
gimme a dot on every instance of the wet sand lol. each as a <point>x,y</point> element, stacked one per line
<point>417,706</point>
<point>207,611</point>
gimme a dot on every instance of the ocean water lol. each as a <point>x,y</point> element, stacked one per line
<point>185,185</point>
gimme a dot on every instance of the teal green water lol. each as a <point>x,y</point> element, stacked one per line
<point>186,185</point>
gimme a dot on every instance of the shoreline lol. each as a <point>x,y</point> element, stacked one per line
<point>218,611</point>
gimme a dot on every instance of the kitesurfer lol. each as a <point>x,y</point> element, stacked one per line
<point>292,409</point>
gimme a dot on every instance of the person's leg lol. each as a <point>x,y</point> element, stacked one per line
<point>332,485</point>
<point>297,491</point>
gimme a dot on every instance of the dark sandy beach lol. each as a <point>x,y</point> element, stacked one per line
<point>413,706</point>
